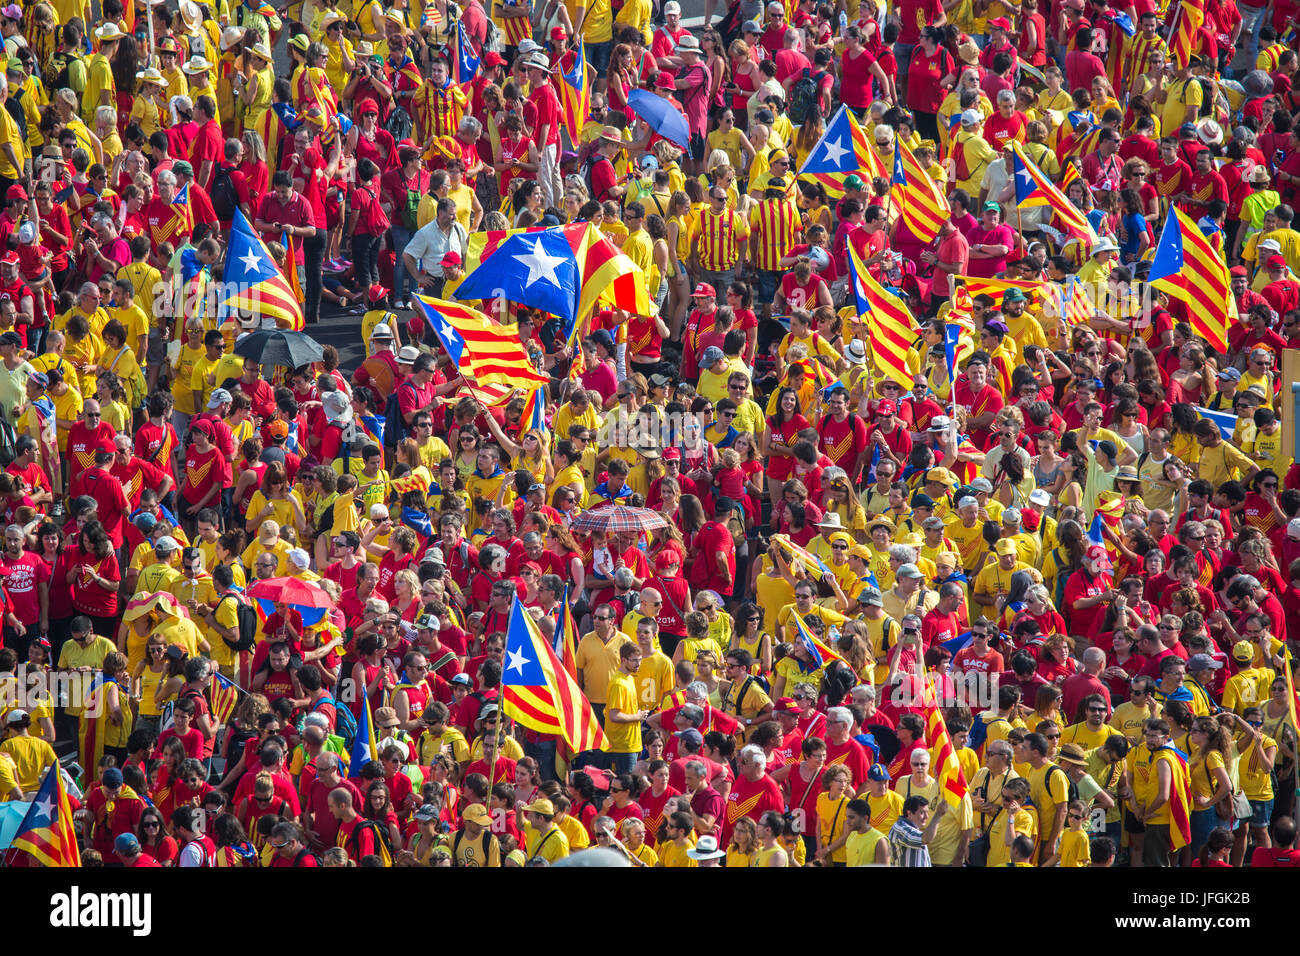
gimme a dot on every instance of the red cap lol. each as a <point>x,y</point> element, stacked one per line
<point>1236,271</point>
<point>1096,553</point>
<point>531,566</point>
<point>367,106</point>
<point>704,289</point>
<point>491,58</point>
<point>672,454</point>
<point>10,258</point>
<point>203,426</point>
<point>106,445</point>
<point>1275,262</point>
<point>278,429</point>
<point>785,705</point>
<point>559,33</point>
<point>16,191</point>
<point>450,258</point>
<point>667,559</point>
<point>1000,22</point>
<point>376,292</point>
<point>665,81</point>
<point>886,406</point>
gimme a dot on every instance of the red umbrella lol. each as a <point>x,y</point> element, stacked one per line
<point>290,591</point>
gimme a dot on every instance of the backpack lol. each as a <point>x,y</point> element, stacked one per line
<point>345,722</point>
<point>409,211</point>
<point>455,846</point>
<point>1072,788</point>
<point>803,97</point>
<point>246,618</point>
<point>382,845</point>
<point>55,75</point>
<point>8,441</point>
<point>394,426</point>
<point>398,123</point>
<point>222,193</point>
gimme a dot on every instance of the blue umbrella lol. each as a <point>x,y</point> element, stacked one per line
<point>664,118</point>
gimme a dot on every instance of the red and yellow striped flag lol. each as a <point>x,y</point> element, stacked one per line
<point>1188,265</point>
<point>892,327</point>
<point>1069,173</point>
<point>952,781</point>
<point>538,691</point>
<point>1191,15</point>
<point>920,202</point>
<point>46,830</point>
<point>575,94</point>
<point>1033,188</point>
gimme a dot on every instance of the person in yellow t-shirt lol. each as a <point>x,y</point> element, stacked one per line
<point>1011,821</point>
<point>831,803</point>
<point>541,836</point>
<point>623,710</point>
<point>681,839</point>
<point>1074,849</point>
<point>864,845</point>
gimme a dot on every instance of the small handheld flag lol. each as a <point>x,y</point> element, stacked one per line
<point>46,830</point>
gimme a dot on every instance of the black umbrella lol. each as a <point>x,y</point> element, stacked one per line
<point>279,348</point>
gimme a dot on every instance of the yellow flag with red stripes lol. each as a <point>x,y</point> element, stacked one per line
<point>893,330</point>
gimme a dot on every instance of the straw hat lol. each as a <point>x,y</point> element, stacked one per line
<point>151,75</point>
<point>260,49</point>
<point>230,36</point>
<point>196,65</point>
<point>109,32</point>
<point>191,15</point>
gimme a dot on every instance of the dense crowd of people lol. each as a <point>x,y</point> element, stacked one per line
<point>1069,539</point>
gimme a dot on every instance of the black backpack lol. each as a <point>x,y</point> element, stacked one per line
<point>55,75</point>
<point>225,200</point>
<point>398,123</point>
<point>803,97</point>
<point>394,424</point>
<point>8,441</point>
<point>483,849</point>
<point>247,618</point>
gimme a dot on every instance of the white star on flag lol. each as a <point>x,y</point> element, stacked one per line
<point>46,807</point>
<point>834,151</point>
<point>540,265</point>
<point>1026,176</point>
<point>252,262</point>
<point>518,661</point>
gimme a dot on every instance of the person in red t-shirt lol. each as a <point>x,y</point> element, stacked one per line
<point>98,483</point>
<point>753,793</point>
<point>206,470</point>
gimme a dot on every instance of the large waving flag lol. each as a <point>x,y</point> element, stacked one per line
<point>46,831</point>
<point>481,349</point>
<point>952,781</point>
<point>253,282</point>
<point>842,151</point>
<point>566,271</point>
<point>575,93</point>
<point>1190,17</point>
<point>1187,265</point>
<point>892,327</point>
<point>466,61</point>
<point>1033,188</point>
<point>364,747</point>
<point>920,202</point>
<point>537,691</point>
